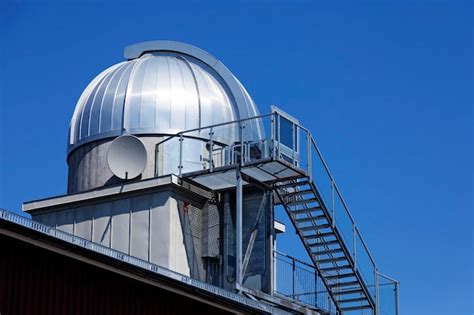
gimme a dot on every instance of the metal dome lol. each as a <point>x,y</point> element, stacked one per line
<point>164,87</point>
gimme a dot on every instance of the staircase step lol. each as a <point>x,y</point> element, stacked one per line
<point>340,276</point>
<point>352,291</point>
<point>314,227</point>
<point>355,308</point>
<point>302,202</point>
<point>307,210</point>
<point>309,219</point>
<point>334,259</point>
<point>335,268</point>
<point>360,299</point>
<point>320,244</point>
<point>344,284</point>
<point>313,236</point>
<point>297,193</point>
<point>291,185</point>
<point>330,251</point>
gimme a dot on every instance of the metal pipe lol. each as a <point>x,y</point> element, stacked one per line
<point>211,145</point>
<point>238,227</point>
<point>293,278</point>
<point>333,205</point>
<point>273,131</point>
<point>354,244</point>
<point>279,134</point>
<point>216,125</point>
<point>180,167</point>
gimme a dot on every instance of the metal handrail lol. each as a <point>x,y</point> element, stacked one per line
<point>213,126</point>
<point>342,199</point>
<point>274,138</point>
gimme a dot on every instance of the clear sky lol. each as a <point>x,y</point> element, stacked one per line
<point>385,86</point>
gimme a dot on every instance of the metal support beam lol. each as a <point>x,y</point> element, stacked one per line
<point>238,228</point>
<point>253,234</point>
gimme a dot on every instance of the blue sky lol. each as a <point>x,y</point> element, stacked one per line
<point>385,86</point>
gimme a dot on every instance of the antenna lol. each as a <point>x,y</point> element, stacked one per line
<point>127,157</point>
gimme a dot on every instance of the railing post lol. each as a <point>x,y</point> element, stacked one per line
<point>294,130</point>
<point>241,140</point>
<point>333,205</point>
<point>396,298</point>
<point>354,244</point>
<point>293,278</point>
<point>278,134</point>
<point>376,280</point>
<point>309,160</point>
<point>211,145</point>
<point>180,167</point>
<point>273,122</point>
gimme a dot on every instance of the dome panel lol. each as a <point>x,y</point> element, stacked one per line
<point>169,88</point>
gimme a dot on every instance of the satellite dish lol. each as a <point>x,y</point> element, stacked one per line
<point>126,157</point>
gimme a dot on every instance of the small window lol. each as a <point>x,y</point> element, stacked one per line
<point>288,136</point>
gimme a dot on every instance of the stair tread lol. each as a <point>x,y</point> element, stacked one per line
<point>302,202</point>
<point>334,259</point>
<point>335,268</point>
<point>314,227</point>
<point>359,299</point>
<point>297,192</point>
<point>313,236</point>
<point>352,291</point>
<point>344,284</point>
<point>320,244</point>
<point>309,219</point>
<point>329,251</point>
<point>355,308</point>
<point>339,276</point>
<point>307,210</point>
<point>302,183</point>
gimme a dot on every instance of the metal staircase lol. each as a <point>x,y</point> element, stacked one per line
<point>287,161</point>
<point>315,226</point>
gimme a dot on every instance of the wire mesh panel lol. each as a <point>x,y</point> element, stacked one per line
<point>299,281</point>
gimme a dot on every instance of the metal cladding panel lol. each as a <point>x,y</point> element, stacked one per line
<point>102,223</point>
<point>159,229</point>
<point>162,92</point>
<point>121,225</point>
<point>36,281</point>
<point>65,221</point>
<point>83,222</point>
<point>139,242</point>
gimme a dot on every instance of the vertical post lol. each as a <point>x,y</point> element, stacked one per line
<point>294,130</point>
<point>273,135</point>
<point>376,284</point>
<point>279,134</point>
<point>308,155</point>
<point>396,298</point>
<point>333,205</point>
<point>211,146</point>
<point>238,227</point>
<point>180,167</point>
<point>293,278</point>
<point>273,244</point>
<point>316,287</point>
<point>354,243</point>
<point>241,140</point>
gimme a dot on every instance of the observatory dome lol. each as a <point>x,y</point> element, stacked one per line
<point>162,88</point>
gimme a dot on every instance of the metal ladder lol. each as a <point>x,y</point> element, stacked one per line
<point>317,230</point>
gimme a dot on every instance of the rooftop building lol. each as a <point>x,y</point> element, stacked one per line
<point>174,177</point>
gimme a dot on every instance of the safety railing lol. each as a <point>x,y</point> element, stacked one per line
<point>242,142</point>
<point>299,281</point>
<point>209,147</point>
